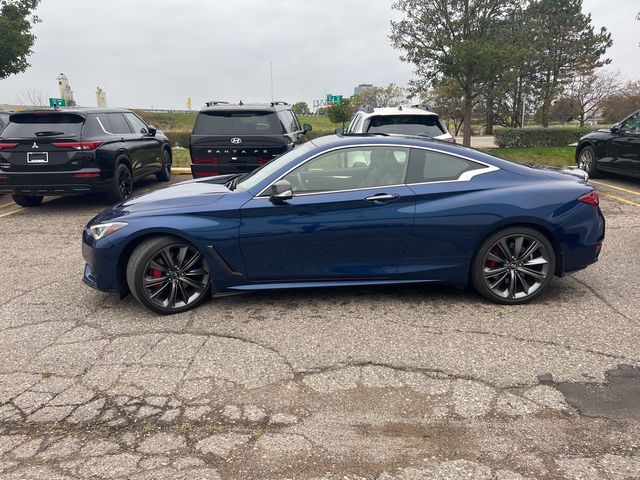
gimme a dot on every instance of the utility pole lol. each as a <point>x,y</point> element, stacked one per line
<point>271,68</point>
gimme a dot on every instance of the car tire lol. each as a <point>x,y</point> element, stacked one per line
<point>168,275</point>
<point>587,161</point>
<point>28,200</point>
<point>164,175</point>
<point>514,266</point>
<point>122,184</point>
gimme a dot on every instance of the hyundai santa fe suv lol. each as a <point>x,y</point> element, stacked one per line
<point>238,138</point>
<point>415,120</point>
<point>73,151</point>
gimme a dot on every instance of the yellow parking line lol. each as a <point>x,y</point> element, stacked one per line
<point>614,187</point>
<point>7,204</point>
<point>10,213</point>
<point>620,199</point>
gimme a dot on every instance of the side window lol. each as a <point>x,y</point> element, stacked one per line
<point>632,125</point>
<point>137,125</point>
<point>288,121</point>
<point>351,168</point>
<point>117,123</point>
<point>429,166</point>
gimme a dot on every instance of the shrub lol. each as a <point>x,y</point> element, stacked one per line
<point>178,138</point>
<point>539,137</point>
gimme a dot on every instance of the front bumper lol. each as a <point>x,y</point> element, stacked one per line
<point>53,183</point>
<point>101,268</point>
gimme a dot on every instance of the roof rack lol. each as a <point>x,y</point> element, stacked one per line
<point>215,102</point>
<point>277,102</point>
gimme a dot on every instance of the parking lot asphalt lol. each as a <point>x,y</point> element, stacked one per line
<point>388,383</point>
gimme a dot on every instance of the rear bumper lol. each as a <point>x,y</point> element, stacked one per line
<point>577,255</point>
<point>53,183</point>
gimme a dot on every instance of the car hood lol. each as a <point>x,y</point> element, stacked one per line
<point>185,194</point>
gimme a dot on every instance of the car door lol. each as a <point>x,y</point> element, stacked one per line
<point>144,148</point>
<point>625,146</point>
<point>447,224</point>
<point>346,220</point>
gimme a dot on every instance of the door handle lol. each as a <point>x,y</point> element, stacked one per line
<point>381,197</point>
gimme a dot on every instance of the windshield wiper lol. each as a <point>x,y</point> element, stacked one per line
<point>49,134</point>
<point>233,183</point>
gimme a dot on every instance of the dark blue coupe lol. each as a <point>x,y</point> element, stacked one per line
<point>352,210</point>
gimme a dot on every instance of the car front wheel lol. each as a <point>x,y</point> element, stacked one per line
<point>168,276</point>
<point>514,266</point>
<point>587,161</point>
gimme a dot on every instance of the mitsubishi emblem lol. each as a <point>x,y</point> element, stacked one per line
<point>35,145</point>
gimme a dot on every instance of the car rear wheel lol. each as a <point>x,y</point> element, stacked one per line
<point>27,200</point>
<point>164,175</point>
<point>514,266</point>
<point>587,161</point>
<point>168,276</point>
<point>122,187</point>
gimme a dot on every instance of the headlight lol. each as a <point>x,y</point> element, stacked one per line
<point>105,229</point>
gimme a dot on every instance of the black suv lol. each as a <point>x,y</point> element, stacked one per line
<point>236,138</point>
<point>71,151</point>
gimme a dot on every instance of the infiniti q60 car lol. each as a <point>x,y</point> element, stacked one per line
<point>345,211</point>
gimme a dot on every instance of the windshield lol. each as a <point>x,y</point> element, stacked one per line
<point>262,173</point>
<point>237,123</point>
<point>406,125</point>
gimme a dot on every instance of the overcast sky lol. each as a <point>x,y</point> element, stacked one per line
<point>156,53</point>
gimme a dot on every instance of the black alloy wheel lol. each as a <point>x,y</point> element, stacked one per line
<point>514,266</point>
<point>168,275</point>
<point>164,175</point>
<point>587,161</point>
<point>122,188</point>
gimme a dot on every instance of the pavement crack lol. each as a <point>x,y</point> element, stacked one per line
<point>604,300</point>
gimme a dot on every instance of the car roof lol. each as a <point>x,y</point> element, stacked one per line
<point>266,107</point>
<point>381,111</point>
<point>79,111</point>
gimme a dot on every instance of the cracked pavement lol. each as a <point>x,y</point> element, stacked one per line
<point>389,383</point>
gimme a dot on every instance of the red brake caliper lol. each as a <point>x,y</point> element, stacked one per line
<point>493,263</point>
<point>155,274</point>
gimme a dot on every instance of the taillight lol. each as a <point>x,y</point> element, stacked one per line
<point>78,145</point>
<point>591,198</point>
<point>205,160</point>
<point>7,146</point>
<point>263,160</point>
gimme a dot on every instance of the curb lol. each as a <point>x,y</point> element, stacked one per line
<point>180,171</point>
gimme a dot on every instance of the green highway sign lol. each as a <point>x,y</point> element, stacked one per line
<point>57,102</point>
<point>334,99</point>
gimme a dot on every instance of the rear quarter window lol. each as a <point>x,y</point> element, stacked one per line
<point>237,123</point>
<point>43,124</point>
<point>429,166</point>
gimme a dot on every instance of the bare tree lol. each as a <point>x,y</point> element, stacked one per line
<point>33,97</point>
<point>390,96</point>
<point>590,91</point>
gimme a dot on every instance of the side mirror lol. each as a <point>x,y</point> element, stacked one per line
<point>152,130</point>
<point>340,131</point>
<point>281,191</point>
<point>615,128</point>
<point>306,128</point>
